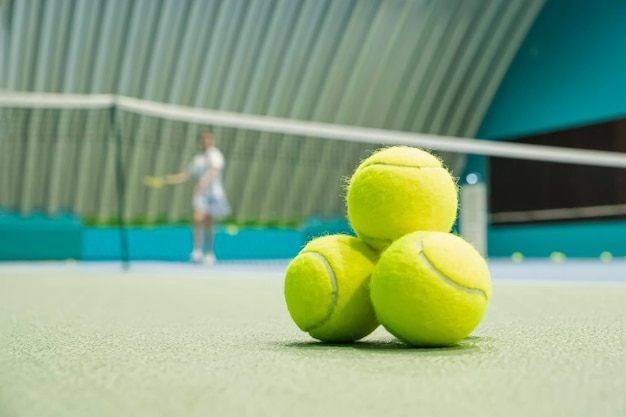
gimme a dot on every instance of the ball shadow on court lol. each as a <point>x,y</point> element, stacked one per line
<point>471,345</point>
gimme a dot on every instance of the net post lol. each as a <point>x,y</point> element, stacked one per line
<point>473,215</point>
<point>120,182</point>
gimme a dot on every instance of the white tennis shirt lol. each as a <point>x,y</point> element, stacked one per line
<point>203,162</point>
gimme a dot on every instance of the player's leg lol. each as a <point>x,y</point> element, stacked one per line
<point>209,258</point>
<point>198,226</point>
<point>217,207</point>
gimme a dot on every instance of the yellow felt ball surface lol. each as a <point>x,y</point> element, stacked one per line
<point>400,190</point>
<point>327,289</point>
<point>430,289</point>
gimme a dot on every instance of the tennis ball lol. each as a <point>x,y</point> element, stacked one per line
<point>430,289</point>
<point>399,190</point>
<point>326,289</point>
<point>517,257</point>
<point>606,256</point>
<point>558,257</point>
<point>232,229</point>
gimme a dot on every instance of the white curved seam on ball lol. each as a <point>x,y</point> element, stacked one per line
<point>399,166</point>
<point>424,258</point>
<point>333,284</point>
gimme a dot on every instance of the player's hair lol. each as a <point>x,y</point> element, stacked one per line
<point>205,132</point>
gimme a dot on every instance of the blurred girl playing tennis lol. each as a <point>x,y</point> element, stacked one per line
<point>209,199</point>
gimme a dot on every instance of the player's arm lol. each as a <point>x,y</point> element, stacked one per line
<point>158,182</point>
<point>179,178</point>
<point>207,178</point>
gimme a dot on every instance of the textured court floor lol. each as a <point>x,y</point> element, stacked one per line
<point>167,340</point>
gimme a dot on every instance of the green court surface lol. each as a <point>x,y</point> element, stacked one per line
<point>159,343</point>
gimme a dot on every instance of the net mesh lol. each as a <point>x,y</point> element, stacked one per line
<point>53,160</point>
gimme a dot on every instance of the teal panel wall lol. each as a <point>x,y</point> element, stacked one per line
<point>40,237</point>
<point>568,71</point>
<point>43,238</point>
<point>582,240</point>
<point>174,244</point>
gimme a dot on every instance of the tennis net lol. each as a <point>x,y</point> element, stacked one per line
<point>90,155</point>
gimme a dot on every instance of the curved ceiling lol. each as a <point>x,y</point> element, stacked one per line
<point>428,66</point>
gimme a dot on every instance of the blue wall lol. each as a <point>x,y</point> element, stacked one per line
<point>174,243</point>
<point>569,71</point>
<point>39,237</point>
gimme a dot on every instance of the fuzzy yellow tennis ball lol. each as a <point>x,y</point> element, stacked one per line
<point>327,289</point>
<point>400,190</point>
<point>430,289</point>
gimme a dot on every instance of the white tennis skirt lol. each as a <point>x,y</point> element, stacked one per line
<point>211,205</point>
